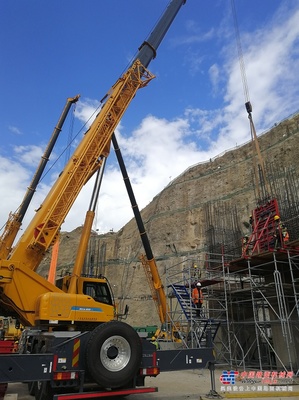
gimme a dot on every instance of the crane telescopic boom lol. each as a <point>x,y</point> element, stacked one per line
<point>44,228</point>
<point>14,221</point>
<point>87,227</point>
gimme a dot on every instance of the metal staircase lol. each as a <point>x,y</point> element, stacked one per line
<point>202,330</point>
<point>184,299</point>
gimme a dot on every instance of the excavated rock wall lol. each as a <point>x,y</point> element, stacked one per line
<point>175,219</point>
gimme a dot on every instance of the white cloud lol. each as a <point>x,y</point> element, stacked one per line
<point>15,130</point>
<point>214,73</point>
<point>158,149</point>
<point>85,110</point>
<point>12,178</point>
<point>29,155</point>
<point>271,61</point>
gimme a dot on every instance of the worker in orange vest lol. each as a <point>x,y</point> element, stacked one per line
<point>281,233</point>
<point>197,298</point>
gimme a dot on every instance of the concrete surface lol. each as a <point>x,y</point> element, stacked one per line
<point>187,385</point>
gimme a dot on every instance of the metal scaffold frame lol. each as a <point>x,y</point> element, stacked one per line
<point>272,288</point>
<point>195,331</point>
<point>254,301</point>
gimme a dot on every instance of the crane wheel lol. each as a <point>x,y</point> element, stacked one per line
<point>42,389</point>
<point>32,385</point>
<point>113,355</point>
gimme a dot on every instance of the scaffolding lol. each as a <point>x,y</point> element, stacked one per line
<point>251,289</point>
<point>251,308</point>
<point>257,274</point>
<point>251,301</point>
<point>264,300</point>
<point>196,331</point>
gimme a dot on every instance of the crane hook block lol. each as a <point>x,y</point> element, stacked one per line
<point>248,107</point>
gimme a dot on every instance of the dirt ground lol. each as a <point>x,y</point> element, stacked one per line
<point>171,385</point>
<point>183,385</point>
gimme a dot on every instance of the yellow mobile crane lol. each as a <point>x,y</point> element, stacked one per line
<point>75,339</point>
<point>44,227</point>
<point>11,329</point>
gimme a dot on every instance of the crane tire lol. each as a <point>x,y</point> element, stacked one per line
<point>31,388</point>
<point>43,390</point>
<point>32,385</point>
<point>113,355</point>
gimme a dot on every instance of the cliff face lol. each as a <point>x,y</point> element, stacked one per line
<point>179,218</point>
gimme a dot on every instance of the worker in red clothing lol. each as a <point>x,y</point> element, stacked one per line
<point>197,298</point>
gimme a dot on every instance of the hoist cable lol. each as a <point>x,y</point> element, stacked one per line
<point>240,53</point>
<point>248,105</point>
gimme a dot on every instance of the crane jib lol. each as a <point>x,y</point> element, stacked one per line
<point>148,49</point>
<point>42,231</point>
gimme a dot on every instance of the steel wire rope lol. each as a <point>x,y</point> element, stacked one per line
<point>240,52</point>
<point>124,70</point>
<point>262,179</point>
<point>71,142</point>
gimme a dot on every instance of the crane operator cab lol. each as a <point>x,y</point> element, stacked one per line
<point>97,288</point>
<point>77,300</point>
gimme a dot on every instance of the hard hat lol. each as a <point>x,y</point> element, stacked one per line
<point>198,284</point>
<point>153,338</point>
<point>276,217</point>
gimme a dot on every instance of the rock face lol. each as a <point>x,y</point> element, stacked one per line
<point>179,220</point>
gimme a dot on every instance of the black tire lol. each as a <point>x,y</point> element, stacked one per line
<point>32,385</point>
<point>113,354</point>
<point>43,391</point>
<point>31,388</point>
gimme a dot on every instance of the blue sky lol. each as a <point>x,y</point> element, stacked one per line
<point>193,110</point>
